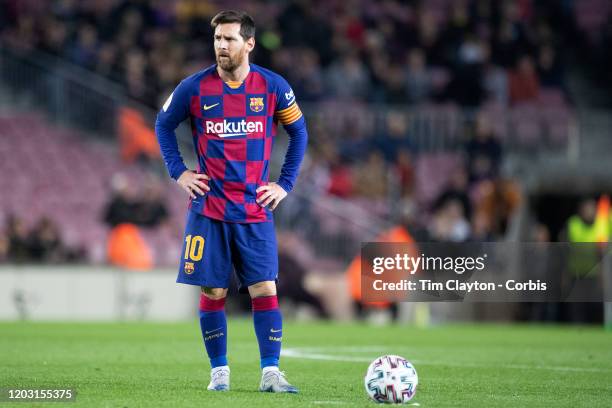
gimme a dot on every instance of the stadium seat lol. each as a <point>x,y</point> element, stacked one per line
<point>71,184</point>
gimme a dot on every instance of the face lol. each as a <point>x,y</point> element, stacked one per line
<point>588,210</point>
<point>231,49</point>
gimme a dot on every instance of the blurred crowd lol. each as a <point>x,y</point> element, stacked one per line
<point>465,53</point>
<point>470,198</point>
<point>389,51</point>
<point>24,240</point>
<point>41,243</point>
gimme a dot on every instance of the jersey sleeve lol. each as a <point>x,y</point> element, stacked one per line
<point>173,112</point>
<point>290,116</point>
<point>287,110</point>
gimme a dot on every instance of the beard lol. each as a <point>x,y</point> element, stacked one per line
<point>229,63</point>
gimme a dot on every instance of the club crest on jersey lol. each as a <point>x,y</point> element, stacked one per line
<point>189,268</point>
<point>256,104</point>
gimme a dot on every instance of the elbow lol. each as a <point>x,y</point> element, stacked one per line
<point>159,125</point>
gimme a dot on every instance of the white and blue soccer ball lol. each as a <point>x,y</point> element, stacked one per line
<point>391,379</point>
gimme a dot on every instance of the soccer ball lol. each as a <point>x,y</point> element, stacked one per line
<point>391,379</point>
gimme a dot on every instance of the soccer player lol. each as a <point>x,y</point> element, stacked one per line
<point>234,108</point>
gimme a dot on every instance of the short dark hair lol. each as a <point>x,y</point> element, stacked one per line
<point>247,25</point>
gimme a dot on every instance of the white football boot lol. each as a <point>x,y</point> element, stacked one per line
<point>273,380</point>
<point>219,379</point>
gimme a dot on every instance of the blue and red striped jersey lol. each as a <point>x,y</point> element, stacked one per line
<point>233,127</point>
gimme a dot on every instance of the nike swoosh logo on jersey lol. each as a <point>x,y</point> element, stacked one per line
<point>212,331</point>
<point>275,331</point>
<point>207,107</point>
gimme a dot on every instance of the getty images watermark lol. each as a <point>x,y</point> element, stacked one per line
<point>458,265</point>
<point>486,272</point>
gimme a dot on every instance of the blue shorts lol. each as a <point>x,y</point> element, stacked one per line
<point>213,249</point>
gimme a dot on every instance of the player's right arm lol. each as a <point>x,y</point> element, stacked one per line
<point>174,111</point>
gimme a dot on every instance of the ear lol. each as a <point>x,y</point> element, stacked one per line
<point>250,43</point>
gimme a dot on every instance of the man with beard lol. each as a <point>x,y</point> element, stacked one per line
<point>234,108</point>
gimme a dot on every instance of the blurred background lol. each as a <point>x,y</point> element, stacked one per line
<point>438,120</point>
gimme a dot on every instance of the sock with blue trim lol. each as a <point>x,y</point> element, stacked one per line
<point>214,329</point>
<point>268,323</point>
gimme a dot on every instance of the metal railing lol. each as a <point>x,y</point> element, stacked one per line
<point>67,93</point>
<point>444,128</point>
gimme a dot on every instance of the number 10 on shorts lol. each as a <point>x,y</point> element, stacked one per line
<point>194,247</point>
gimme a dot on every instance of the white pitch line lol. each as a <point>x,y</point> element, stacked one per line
<point>359,349</point>
<point>294,353</point>
<point>298,353</point>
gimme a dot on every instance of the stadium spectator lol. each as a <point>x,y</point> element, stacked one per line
<point>523,81</point>
<point>428,39</point>
<point>55,36</point>
<point>130,206</point>
<point>84,49</point>
<point>581,226</point>
<point>347,78</point>
<point>17,235</point>
<point>123,206</point>
<point>591,224</point>
<point>540,233</point>
<point>495,83</point>
<point>395,137</point>
<point>4,245</point>
<point>152,209</point>
<point>418,78</point>
<point>483,152</point>
<point>355,144</point>
<point>481,229</point>
<point>550,70</point>
<point>341,182</point>
<point>306,75</point>
<point>45,242</point>
<point>317,173</point>
<point>496,201</point>
<point>107,64</point>
<point>457,189</point>
<point>404,172</point>
<point>372,177</point>
<point>508,40</point>
<point>449,223</point>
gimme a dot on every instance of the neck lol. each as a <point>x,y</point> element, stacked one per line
<point>237,75</point>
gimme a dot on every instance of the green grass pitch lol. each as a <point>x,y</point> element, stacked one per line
<point>164,365</point>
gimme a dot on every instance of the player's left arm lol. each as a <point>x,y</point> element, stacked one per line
<point>290,116</point>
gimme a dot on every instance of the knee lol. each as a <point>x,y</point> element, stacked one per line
<point>214,293</point>
<point>260,289</point>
